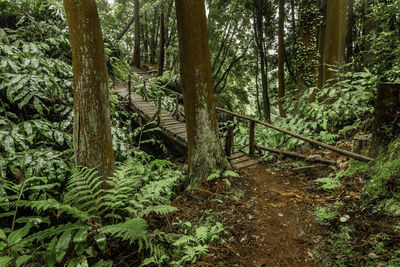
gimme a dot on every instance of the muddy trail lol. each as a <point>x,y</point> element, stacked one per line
<point>268,214</point>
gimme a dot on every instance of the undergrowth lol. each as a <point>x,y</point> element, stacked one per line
<point>364,219</point>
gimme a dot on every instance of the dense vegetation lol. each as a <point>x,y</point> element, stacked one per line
<point>55,213</point>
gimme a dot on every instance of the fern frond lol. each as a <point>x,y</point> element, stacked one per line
<point>159,209</point>
<point>52,204</point>
<point>202,233</point>
<point>183,240</point>
<point>52,231</point>
<point>132,230</point>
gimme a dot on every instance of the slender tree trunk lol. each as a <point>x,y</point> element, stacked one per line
<point>154,38</point>
<point>162,42</point>
<point>136,52</point>
<point>257,89</point>
<point>259,37</point>
<point>92,128</point>
<point>205,152</point>
<point>350,30</point>
<point>281,57</point>
<point>126,28</point>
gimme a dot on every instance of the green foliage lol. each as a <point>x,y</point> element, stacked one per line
<point>140,187</point>
<point>328,213</point>
<point>381,192</point>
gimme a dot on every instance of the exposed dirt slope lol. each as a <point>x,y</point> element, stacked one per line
<point>272,222</point>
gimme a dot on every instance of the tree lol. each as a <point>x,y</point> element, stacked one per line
<point>307,46</point>
<point>204,148</point>
<point>258,17</point>
<point>334,40</point>
<point>281,56</point>
<point>162,42</point>
<point>136,51</point>
<point>92,128</point>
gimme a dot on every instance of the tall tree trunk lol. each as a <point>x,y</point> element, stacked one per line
<point>154,38</point>
<point>350,30</point>
<point>259,37</point>
<point>205,152</point>
<point>92,128</point>
<point>335,38</point>
<point>162,42</point>
<point>281,57</point>
<point>136,51</point>
<point>307,52</point>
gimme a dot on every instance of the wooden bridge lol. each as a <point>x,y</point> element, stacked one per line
<point>173,127</point>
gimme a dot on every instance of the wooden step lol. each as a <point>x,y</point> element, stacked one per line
<point>246,164</point>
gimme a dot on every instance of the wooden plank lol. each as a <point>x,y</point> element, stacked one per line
<point>237,155</point>
<point>176,127</point>
<point>241,159</point>
<point>179,131</point>
<point>246,164</point>
<point>170,122</point>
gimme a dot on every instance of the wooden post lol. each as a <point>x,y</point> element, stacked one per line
<point>145,91</point>
<point>386,117</point>
<point>229,140</point>
<point>159,109</point>
<point>252,139</point>
<point>130,88</point>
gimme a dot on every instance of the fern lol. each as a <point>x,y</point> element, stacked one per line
<point>202,233</point>
<point>132,230</point>
<point>52,204</point>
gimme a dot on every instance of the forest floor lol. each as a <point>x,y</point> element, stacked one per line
<point>269,214</point>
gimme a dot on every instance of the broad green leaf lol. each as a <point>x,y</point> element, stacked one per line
<point>25,101</point>
<point>80,241</point>
<point>76,261</point>
<point>23,259</point>
<point>13,66</point>
<point>3,235</point>
<point>50,254</point>
<point>9,144</point>
<point>101,241</point>
<point>16,236</point>
<point>5,261</point>
<point>38,105</point>
<point>62,245</point>
<point>34,220</point>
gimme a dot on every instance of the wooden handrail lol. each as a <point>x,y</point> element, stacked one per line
<point>312,141</point>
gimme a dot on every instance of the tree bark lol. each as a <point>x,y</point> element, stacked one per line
<point>92,128</point>
<point>350,30</point>
<point>334,39</point>
<point>205,152</point>
<point>281,57</point>
<point>126,28</point>
<point>136,51</point>
<point>259,37</point>
<point>307,51</point>
<point>162,42</point>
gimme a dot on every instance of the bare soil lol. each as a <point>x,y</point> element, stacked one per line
<point>270,221</point>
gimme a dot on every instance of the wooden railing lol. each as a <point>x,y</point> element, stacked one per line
<point>252,122</point>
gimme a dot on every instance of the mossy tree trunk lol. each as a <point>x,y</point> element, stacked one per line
<point>136,50</point>
<point>306,64</point>
<point>205,152</point>
<point>92,128</point>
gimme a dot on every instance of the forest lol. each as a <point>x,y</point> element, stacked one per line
<point>199,133</point>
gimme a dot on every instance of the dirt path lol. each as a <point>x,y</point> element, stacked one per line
<point>269,215</point>
<point>284,227</point>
